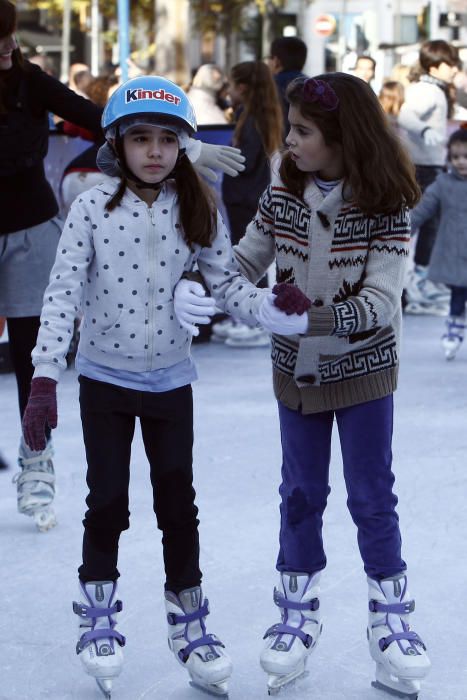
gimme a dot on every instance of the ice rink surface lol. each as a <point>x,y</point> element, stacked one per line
<point>237,471</point>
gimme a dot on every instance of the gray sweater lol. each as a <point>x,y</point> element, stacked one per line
<point>447,196</point>
<point>352,268</point>
<point>425,105</point>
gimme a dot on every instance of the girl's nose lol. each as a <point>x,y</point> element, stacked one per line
<point>289,139</point>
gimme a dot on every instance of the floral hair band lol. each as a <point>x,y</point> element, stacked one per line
<point>321,92</point>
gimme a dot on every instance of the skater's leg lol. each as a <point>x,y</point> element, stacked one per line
<point>108,420</point>
<point>306,453</point>
<point>365,432</point>
<point>167,429</point>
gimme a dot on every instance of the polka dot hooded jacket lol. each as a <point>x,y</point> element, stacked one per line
<point>120,269</point>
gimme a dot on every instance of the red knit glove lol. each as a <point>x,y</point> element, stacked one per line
<point>41,411</point>
<point>290,299</point>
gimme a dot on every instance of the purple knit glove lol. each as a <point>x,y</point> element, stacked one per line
<point>41,411</point>
<point>290,299</point>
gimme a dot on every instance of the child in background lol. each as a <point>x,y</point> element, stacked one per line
<point>337,225</point>
<point>391,99</point>
<point>258,135</point>
<point>447,198</point>
<point>123,249</point>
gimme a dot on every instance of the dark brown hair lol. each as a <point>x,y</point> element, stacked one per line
<point>458,136</point>
<point>260,101</point>
<point>377,169</point>
<point>434,53</point>
<point>197,204</point>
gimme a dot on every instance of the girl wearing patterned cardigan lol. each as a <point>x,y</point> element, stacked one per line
<point>337,225</point>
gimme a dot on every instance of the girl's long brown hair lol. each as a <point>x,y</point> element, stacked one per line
<point>376,166</point>
<point>261,101</point>
<point>197,204</point>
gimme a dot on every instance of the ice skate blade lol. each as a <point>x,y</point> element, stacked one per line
<point>105,686</point>
<point>276,682</point>
<point>218,690</point>
<point>45,519</point>
<point>416,309</point>
<point>399,687</point>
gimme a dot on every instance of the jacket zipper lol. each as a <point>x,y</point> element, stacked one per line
<point>152,283</point>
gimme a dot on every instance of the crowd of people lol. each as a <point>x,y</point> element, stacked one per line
<point>306,198</point>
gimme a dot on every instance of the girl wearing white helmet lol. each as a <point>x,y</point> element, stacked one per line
<point>123,249</point>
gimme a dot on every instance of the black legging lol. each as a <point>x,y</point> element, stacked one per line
<point>22,336</point>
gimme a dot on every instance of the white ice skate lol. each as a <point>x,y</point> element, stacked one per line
<point>99,645</point>
<point>424,296</point>
<point>290,642</point>
<point>202,654</point>
<point>452,339</point>
<point>35,485</point>
<point>399,653</point>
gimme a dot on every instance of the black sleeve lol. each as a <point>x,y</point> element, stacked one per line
<point>251,146</point>
<point>55,97</point>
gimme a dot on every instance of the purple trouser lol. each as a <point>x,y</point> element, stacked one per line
<point>365,432</point>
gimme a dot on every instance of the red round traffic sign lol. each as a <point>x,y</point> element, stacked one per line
<point>325,25</point>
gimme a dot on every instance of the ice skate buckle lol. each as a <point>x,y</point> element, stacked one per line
<point>94,635</point>
<point>280,628</point>
<point>87,611</point>
<point>283,602</point>
<point>175,618</point>
<point>407,636</point>
<point>395,608</point>
<point>206,640</point>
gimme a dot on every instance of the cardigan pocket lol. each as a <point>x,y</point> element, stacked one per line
<point>375,355</point>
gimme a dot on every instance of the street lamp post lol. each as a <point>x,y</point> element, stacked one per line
<point>123,36</point>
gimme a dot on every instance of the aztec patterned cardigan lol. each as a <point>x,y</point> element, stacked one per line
<point>352,267</point>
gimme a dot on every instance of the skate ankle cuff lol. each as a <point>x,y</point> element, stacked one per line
<point>282,602</point>
<point>278,629</point>
<point>94,635</point>
<point>87,611</point>
<point>176,618</point>
<point>407,636</point>
<point>206,640</point>
<point>395,608</point>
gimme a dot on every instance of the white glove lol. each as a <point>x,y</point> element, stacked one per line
<point>277,321</point>
<point>212,157</point>
<point>431,137</point>
<point>192,305</point>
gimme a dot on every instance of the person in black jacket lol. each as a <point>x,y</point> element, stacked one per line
<point>286,59</point>
<point>29,228</point>
<point>258,134</point>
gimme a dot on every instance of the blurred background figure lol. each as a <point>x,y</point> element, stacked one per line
<point>208,82</point>
<point>391,97</point>
<point>82,172</point>
<point>286,59</point>
<point>44,62</point>
<point>424,117</point>
<point>258,134</point>
<point>365,67</point>
<point>78,78</point>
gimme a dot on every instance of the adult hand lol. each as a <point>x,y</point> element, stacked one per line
<point>225,158</point>
<point>277,321</point>
<point>192,305</point>
<point>41,410</point>
<point>432,137</point>
<point>290,299</point>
